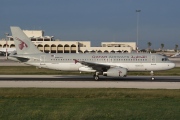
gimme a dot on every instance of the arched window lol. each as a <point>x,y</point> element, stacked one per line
<point>66,48</point>
<point>53,48</point>
<point>40,47</point>
<point>73,45</point>
<point>112,51</point>
<point>99,51</point>
<point>119,51</point>
<point>46,48</point>
<point>93,51</point>
<point>66,45</point>
<point>60,45</point>
<point>60,48</point>
<point>73,48</point>
<point>86,51</point>
<point>106,51</point>
<point>4,46</point>
<point>12,46</point>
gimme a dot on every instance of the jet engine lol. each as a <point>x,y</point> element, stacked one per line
<point>116,72</point>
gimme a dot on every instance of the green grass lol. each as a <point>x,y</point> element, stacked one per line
<point>88,104</point>
<point>31,70</point>
<point>172,72</point>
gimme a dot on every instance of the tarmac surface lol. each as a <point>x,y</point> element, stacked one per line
<point>58,81</point>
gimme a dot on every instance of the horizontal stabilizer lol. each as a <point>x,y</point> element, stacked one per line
<point>22,59</point>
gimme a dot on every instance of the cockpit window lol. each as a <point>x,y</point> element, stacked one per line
<point>165,59</point>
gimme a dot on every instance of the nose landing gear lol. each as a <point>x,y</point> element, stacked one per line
<point>152,74</point>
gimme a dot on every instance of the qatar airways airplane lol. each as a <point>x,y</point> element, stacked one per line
<point>107,64</point>
<point>8,50</point>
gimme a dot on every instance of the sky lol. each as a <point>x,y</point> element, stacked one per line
<point>97,20</point>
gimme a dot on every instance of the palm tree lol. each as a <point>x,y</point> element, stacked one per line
<point>162,46</point>
<point>149,45</point>
<point>176,48</point>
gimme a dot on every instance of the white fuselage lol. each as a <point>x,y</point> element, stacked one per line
<point>129,66</point>
<point>132,62</point>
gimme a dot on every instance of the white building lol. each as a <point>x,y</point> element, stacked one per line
<point>49,45</point>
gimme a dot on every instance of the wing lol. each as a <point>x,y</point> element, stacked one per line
<point>21,59</point>
<point>96,66</point>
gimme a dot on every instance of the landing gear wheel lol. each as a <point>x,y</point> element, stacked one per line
<point>96,77</point>
<point>152,73</point>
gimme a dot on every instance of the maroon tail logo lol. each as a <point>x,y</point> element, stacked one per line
<point>22,44</point>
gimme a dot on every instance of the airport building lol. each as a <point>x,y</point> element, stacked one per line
<point>49,45</point>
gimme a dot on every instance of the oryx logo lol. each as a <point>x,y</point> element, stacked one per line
<point>22,44</point>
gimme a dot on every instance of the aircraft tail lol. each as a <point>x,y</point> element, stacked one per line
<point>22,43</point>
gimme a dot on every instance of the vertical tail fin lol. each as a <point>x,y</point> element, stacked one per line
<point>22,43</point>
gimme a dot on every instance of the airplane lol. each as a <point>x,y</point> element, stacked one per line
<point>177,55</point>
<point>9,50</point>
<point>106,64</point>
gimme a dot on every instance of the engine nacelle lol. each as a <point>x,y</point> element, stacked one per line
<point>116,72</point>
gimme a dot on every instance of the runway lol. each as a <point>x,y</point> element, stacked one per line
<point>58,81</point>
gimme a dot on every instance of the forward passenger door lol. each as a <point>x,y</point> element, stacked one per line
<point>153,60</point>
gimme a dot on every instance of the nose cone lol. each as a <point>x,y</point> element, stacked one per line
<point>171,65</point>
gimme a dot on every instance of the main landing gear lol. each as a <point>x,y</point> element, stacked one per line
<point>96,76</point>
<point>152,74</point>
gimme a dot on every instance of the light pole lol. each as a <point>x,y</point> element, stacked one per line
<point>137,44</point>
<point>6,44</point>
